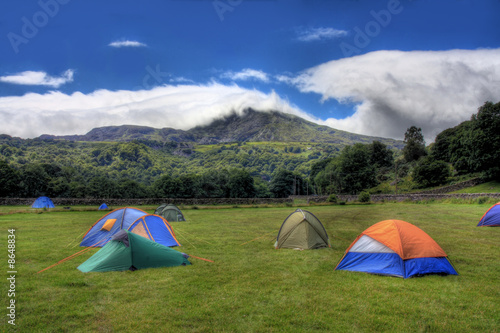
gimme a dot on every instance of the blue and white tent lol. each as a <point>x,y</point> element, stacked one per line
<point>396,248</point>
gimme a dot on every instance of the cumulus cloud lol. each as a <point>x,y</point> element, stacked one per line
<point>34,78</point>
<point>317,34</point>
<point>127,43</point>
<point>180,107</point>
<point>246,74</point>
<point>393,90</point>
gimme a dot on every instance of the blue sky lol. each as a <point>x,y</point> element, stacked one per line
<point>369,67</point>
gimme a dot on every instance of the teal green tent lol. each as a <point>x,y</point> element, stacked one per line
<point>128,251</point>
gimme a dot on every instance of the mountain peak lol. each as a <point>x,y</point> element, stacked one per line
<point>249,126</point>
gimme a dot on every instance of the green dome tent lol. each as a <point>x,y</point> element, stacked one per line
<point>128,251</point>
<point>170,213</point>
<point>302,230</point>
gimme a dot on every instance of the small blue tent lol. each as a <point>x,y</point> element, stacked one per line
<point>155,228</point>
<point>491,218</point>
<point>102,231</point>
<point>43,202</point>
<point>103,206</point>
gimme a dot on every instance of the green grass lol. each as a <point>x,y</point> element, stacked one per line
<point>488,187</point>
<point>251,287</point>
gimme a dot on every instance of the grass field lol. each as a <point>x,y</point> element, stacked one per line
<point>488,187</point>
<point>251,287</point>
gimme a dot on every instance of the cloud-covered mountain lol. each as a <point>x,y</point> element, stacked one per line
<point>248,126</point>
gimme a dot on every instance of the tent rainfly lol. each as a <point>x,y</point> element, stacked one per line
<point>155,228</point>
<point>396,248</point>
<point>128,251</point>
<point>302,230</point>
<point>491,218</point>
<point>108,225</point>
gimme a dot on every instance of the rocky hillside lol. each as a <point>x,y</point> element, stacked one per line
<point>252,126</point>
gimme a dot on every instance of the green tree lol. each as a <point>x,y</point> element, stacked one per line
<point>34,180</point>
<point>130,189</point>
<point>214,184</point>
<point>474,145</point>
<point>316,168</point>
<point>9,180</point>
<point>189,186</point>
<point>414,144</point>
<point>241,184</point>
<point>429,172</point>
<point>357,171</point>
<point>330,179</point>
<point>166,187</point>
<point>261,188</point>
<point>487,134</point>
<point>285,183</point>
<point>380,155</point>
<point>102,187</point>
<point>77,189</point>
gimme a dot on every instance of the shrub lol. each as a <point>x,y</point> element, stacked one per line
<point>430,172</point>
<point>332,198</point>
<point>364,197</point>
<point>482,200</point>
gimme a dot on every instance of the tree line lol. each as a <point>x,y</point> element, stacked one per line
<point>472,147</point>
<point>139,170</point>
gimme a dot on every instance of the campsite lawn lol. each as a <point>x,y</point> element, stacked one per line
<point>250,286</point>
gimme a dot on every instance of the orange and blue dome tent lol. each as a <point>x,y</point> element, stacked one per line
<point>491,218</point>
<point>108,225</point>
<point>396,248</point>
<point>155,228</point>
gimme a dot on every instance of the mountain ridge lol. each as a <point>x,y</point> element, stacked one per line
<point>250,126</point>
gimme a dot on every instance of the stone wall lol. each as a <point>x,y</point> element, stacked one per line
<point>148,201</point>
<point>243,201</point>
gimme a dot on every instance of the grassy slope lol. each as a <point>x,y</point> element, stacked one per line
<point>489,187</point>
<point>251,287</point>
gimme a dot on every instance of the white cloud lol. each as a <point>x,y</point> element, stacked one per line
<point>180,79</point>
<point>246,74</point>
<point>316,34</point>
<point>390,90</point>
<point>127,43</point>
<point>38,78</point>
<point>180,107</point>
<point>394,90</point>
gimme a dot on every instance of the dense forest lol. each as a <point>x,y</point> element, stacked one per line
<point>150,168</point>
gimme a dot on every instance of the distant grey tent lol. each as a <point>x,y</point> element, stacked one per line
<point>302,230</point>
<point>170,213</point>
